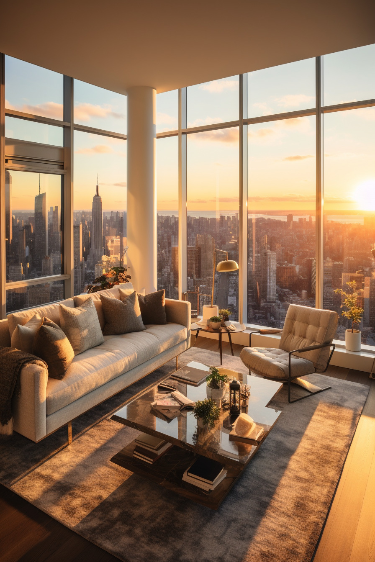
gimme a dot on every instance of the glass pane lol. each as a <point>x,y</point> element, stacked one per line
<point>99,206</point>
<point>280,89</point>
<point>212,221</point>
<point>167,191</point>
<point>33,89</point>
<point>99,108</point>
<point>349,219</point>
<point>33,225</point>
<point>213,102</point>
<point>33,132</point>
<point>167,111</point>
<point>34,295</point>
<point>281,219</point>
<point>349,75</point>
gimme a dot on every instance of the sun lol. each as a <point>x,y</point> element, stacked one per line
<point>364,195</point>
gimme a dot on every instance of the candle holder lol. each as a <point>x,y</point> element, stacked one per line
<point>235,398</point>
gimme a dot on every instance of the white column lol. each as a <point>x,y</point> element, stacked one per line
<point>141,186</point>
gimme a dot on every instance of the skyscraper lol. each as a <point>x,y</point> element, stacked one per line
<point>41,229</point>
<point>97,225</point>
<point>8,209</point>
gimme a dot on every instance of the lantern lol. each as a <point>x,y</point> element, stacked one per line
<point>235,398</point>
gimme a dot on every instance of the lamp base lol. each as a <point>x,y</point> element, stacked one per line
<point>209,311</point>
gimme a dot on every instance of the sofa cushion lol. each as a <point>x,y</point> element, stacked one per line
<point>23,336</point>
<point>117,355</point>
<point>122,316</point>
<point>153,307</point>
<point>52,345</point>
<point>81,325</point>
<point>273,363</point>
<point>50,311</point>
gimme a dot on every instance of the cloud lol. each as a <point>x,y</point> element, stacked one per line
<point>218,86</point>
<point>294,100</point>
<point>48,109</point>
<point>86,111</point>
<point>118,184</point>
<point>260,133</point>
<point>297,157</point>
<point>166,119</point>
<point>98,149</point>
<point>227,136</point>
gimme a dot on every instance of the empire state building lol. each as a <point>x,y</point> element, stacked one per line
<point>97,225</point>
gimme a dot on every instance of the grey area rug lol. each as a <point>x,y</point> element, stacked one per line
<point>275,512</point>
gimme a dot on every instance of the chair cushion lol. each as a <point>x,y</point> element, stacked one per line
<point>117,355</point>
<point>306,326</point>
<point>274,363</point>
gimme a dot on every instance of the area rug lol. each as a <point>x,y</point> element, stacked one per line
<point>275,512</point>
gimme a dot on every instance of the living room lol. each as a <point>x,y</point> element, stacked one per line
<point>221,194</point>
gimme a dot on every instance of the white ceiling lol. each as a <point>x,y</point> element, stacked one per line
<point>167,44</point>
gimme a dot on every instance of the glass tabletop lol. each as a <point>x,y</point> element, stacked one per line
<point>183,429</point>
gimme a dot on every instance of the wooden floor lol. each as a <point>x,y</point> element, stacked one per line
<point>29,535</point>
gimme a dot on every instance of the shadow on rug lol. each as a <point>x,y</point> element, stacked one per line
<point>275,512</point>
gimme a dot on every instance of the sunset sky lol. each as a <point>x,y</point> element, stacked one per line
<point>281,154</point>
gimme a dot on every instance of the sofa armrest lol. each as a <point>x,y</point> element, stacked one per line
<point>178,312</point>
<point>30,410</point>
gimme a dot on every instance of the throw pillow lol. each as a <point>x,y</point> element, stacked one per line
<point>153,307</point>
<point>121,317</point>
<point>23,336</point>
<point>80,299</point>
<point>81,325</point>
<point>52,345</point>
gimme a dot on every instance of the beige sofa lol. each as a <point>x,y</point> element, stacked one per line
<point>46,404</point>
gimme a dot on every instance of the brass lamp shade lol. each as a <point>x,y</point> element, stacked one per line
<point>227,265</point>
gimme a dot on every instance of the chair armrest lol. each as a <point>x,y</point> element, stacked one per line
<point>178,312</point>
<point>312,347</point>
<point>30,411</point>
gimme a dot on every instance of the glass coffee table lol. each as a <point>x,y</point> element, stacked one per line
<point>189,441</point>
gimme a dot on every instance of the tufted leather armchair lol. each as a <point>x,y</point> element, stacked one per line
<point>305,347</point>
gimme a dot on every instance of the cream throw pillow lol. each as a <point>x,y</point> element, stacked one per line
<point>23,336</point>
<point>81,326</point>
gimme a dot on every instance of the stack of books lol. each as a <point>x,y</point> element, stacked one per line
<point>194,373</point>
<point>169,405</point>
<point>205,473</point>
<point>149,448</point>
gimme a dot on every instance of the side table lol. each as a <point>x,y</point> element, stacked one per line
<point>222,330</point>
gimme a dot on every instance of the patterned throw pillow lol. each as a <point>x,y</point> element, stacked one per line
<point>81,325</point>
<point>52,345</point>
<point>23,335</point>
<point>153,307</point>
<point>122,316</point>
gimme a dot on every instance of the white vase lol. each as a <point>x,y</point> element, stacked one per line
<point>216,394</point>
<point>353,340</point>
<point>215,325</point>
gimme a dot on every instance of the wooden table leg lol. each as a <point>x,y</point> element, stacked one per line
<point>230,341</point>
<point>221,347</point>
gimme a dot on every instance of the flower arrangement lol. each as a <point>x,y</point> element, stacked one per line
<point>113,277</point>
<point>215,379</point>
<point>353,313</point>
<point>207,411</point>
<point>224,313</point>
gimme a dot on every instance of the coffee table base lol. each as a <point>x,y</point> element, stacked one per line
<point>168,472</point>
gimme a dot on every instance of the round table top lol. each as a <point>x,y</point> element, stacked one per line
<point>204,328</point>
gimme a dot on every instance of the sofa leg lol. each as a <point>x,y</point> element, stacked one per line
<point>176,362</point>
<point>70,433</point>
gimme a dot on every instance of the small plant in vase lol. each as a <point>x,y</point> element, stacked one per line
<point>216,384</point>
<point>353,313</point>
<point>206,412</point>
<point>224,314</point>
<point>115,276</point>
<point>215,322</point>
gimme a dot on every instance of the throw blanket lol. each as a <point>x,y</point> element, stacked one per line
<point>11,363</point>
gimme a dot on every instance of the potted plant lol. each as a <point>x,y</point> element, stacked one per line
<point>114,276</point>
<point>215,322</point>
<point>224,314</point>
<point>216,384</point>
<point>353,313</point>
<point>206,412</point>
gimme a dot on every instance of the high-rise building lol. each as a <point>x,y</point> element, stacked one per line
<point>206,243</point>
<point>41,229</point>
<point>8,210</point>
<point>97,225</point>
<point>268,269</point>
